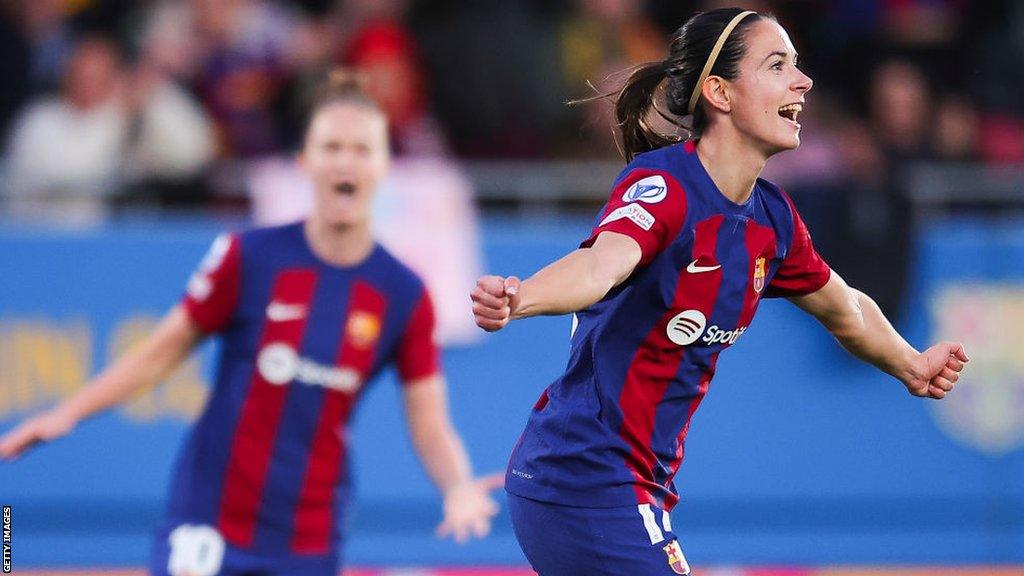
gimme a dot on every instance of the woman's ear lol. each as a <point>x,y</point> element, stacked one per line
<point>716,91</point>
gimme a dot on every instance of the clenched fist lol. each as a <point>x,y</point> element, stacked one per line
<point>936,370</point>
<point>495,300</point>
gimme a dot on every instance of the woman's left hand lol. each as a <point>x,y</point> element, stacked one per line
<point>935,371</point>
<point>469,508</point>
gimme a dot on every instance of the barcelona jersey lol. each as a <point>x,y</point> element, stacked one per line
<point>611,430</point>
<point>266,463</point>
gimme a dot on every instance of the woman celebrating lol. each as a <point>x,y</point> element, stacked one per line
<point>687,245</point>
<point>308,314</point>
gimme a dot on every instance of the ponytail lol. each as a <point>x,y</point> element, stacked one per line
<point>633,107</point>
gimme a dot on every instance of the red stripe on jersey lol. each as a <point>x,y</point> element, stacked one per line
<point>657,360</point>
<point>760,243</point>
<point>417,355</point>
<point>252,446</point>
<point>314,513</point>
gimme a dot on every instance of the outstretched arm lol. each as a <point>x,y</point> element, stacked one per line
<point>859,325</point>
<point>144,365</point>
<point>468,508</point>
<point>571,283</point>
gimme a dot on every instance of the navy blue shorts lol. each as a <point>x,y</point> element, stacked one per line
<point>569,541</point>
<point>199,550</point>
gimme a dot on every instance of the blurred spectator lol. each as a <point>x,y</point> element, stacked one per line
<point>922,22</point>
<point>70,154</point>
<point>598,40</point>
<point>900,109</point>
<point>386,52</point>
<point>957,130</point>
<point>65,151</point>
<point>45,25</point>
<point>604,36</point>
<point>170,140</point>
<point>237,55</point>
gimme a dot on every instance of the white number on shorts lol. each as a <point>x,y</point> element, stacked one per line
<point>195,551</point>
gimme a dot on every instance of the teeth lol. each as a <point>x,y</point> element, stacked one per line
<point>790,111</point>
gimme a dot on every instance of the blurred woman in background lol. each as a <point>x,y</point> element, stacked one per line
<point>308,313</point>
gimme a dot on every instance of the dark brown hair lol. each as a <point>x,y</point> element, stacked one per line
<point>677,76</point>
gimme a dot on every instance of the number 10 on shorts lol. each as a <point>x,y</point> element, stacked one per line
<point>195,551</point>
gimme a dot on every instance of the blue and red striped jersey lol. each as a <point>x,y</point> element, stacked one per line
<point>266,462</point>
<point>611,430</point>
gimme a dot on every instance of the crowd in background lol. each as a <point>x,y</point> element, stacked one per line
<point>111,103</point>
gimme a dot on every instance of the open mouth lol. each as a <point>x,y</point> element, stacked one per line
<point>791,111</point>
<point>347,188</point>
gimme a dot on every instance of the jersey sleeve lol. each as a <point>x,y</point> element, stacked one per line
<point>803,270</point>
<point>649,206</point>
<point>417,356</point>
<point>212,293</point>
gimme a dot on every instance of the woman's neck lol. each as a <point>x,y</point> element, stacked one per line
<point>346,245</point>
<point>732,163</point>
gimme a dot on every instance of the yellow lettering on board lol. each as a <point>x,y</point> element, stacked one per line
<point>42,362</point>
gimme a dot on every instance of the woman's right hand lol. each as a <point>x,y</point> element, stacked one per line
<point>45,427</point>
<point>495,301</point>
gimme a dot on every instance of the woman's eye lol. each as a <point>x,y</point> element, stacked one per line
<point>777,66</point>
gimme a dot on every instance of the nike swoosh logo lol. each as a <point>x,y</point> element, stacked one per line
<point>281,312</point>
<point>692,268</point>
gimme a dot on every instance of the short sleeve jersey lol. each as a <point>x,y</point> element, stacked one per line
<point>611,430</point>
<point>266,463</point>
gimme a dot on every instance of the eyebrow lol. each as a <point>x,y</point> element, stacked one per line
<point>779,53</point>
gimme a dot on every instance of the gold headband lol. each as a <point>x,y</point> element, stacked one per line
<point>714,56</point>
